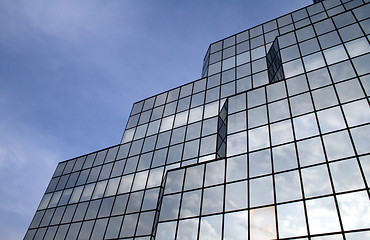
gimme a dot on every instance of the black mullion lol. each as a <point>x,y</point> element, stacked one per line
<point>272,167</point>
<point>201,201</point>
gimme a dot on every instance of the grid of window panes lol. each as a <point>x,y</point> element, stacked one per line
<point>297,150</point>
<point>286,175</point>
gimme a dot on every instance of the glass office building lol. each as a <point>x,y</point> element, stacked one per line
<point>272,142</point>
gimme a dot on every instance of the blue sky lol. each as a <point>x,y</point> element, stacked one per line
<point>71,70</point>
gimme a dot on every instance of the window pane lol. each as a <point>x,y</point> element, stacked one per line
<point>236,196</point>
<point>211,227</point>
<point>236,226</point>
<point>316,181</point>
<point>322,216</point>
<point>262,223</point>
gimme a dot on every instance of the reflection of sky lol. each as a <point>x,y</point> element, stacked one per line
<point>71,70</point>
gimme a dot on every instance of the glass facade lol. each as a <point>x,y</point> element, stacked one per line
<point>273,142</point>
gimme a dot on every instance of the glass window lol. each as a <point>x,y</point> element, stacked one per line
<point>194,177</point>
<point>276,91</point>
<point>228,63</point>
<point>291,220</point>
<point>237,143</point>
<point>79,214</point>
<point>150,199</point>
<point>73,230</point>
<point>256,42</point>
<point>318,78</point>
<point>346,175</point>
<point>215,173</point>
<point>324,97</point>
<point>354,209</point>
<point>174,181</point>
<point>361,139</point>
<point>155,177</point>
<point>335,54</point>
<point>44,201</point>
<point>236,122</point>
<point>211,227</point>
<point>125,184</point>
<point>293,68</point>
<point>301,104</point>
<point>213,200</point>
<point>259,163</point>
<point>305,126</point>
<point>338,145</point>
<point>236,103</point>
<point>243,70</point>
<point>120,204</point>
<point>188,229</point>
<point>262,223</point>
<point>256,97</point>
<point>281,132</point>
<point>341,71</point>
<point>208,145</point>
<point>313,61</point>
<point>65,197</point>
<point>236,196</point>
<point>166,230</point>
<point>129,225</point>
<point>259,65</point>
<point>288,186</point>
<point>309,46</point>
<point>261,191</point>
<point>99,189</point>
<point>92,211</point>
<point>191,149</point>
<point>258,53</point>
<point>55,199</point>
<point>324,26</point>
<point>47,217</point>
<point>289,53</point>
<point>242,47</point>
<point>349,90</point>
<point>183,104</point>
<point>236,226</point>
<point>134,202</point>
<point>329,40</point>
<point>316,181</point>
<point>322,215</point>
<point>260,79</point>
<point>330,120</point>
<point>113,227</point>
<point>351,32</point>
<point>357,47</point>
<point>297,85</point>
<point>145,223</point>
<point>242,58</point>
<point>236,168</point>
<point>190,204</point>
<point>228,52</point>
<point>211,109</point>
<point>228,89</point>
<point>70,210</point>
<point>361,64</point>
<point>305,33</point>
<point>278,110</point>
<point>343,19</point>
<point>258,138</point>
<point>140,180</point>
<point>284,157</point>
<point>106,207</point>
<point>170,211</point>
